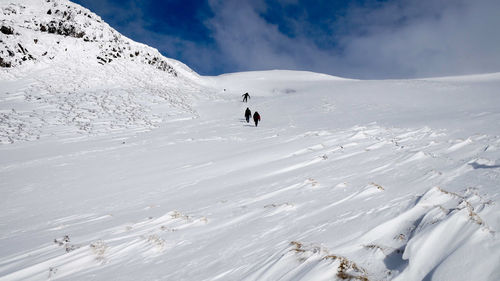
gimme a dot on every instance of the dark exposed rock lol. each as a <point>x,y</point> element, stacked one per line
<point>64,28</point>
<point>21,48</point>
<point>164,66</point>
<point>49,12</point>
<point>4,63</point>
<point>7,30</point>
<point>52,27</point>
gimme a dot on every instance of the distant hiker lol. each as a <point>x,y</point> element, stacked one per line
<point>248,114</point>
<point>256,118</point>
<point>245,97</point>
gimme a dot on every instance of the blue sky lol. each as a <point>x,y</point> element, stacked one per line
<point>370,39</point>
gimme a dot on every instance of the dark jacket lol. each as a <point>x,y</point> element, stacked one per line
<point>256,116</point>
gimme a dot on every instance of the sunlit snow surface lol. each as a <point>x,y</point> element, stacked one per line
<point>341,179</point>
<point>125,172</point>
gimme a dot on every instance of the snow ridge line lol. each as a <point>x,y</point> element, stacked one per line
<point>59,19</point>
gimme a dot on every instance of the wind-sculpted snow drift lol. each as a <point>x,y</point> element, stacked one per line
<point>342,180</point>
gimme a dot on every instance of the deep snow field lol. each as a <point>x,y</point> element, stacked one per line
<point>117,163</point>
<point>346,179</point>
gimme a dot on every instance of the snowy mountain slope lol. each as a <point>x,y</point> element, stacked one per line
<point>66,72</point>
<point>31,27</point>
<point>342,180</point>
<point>461,104</point>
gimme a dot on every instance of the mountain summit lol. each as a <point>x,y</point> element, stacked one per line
<point>37,30</point>
<point>79,72</point>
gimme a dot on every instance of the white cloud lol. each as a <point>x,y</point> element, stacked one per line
<point>461,37</point>
<point>393,39</point>
<point>249,42</point>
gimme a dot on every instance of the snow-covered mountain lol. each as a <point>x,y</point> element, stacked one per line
<point>118,169</point>
<point>77,71</point>
<point>27,23</point>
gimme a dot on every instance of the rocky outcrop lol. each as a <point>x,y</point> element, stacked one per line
<point>7,30</point>
<point>66,20</point>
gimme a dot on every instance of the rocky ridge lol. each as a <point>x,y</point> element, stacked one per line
<point>58,19</point>
<point>64,71</point>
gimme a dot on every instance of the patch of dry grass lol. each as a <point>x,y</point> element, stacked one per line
<point>378,186</point>
<point>466,204</point>
<point>346,269</point>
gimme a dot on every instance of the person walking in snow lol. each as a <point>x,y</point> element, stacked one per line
<point>245,97</point>
<point>256,118</point>
<point>248,113</point>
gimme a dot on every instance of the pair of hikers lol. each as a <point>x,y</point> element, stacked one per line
<point>256,116</point>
